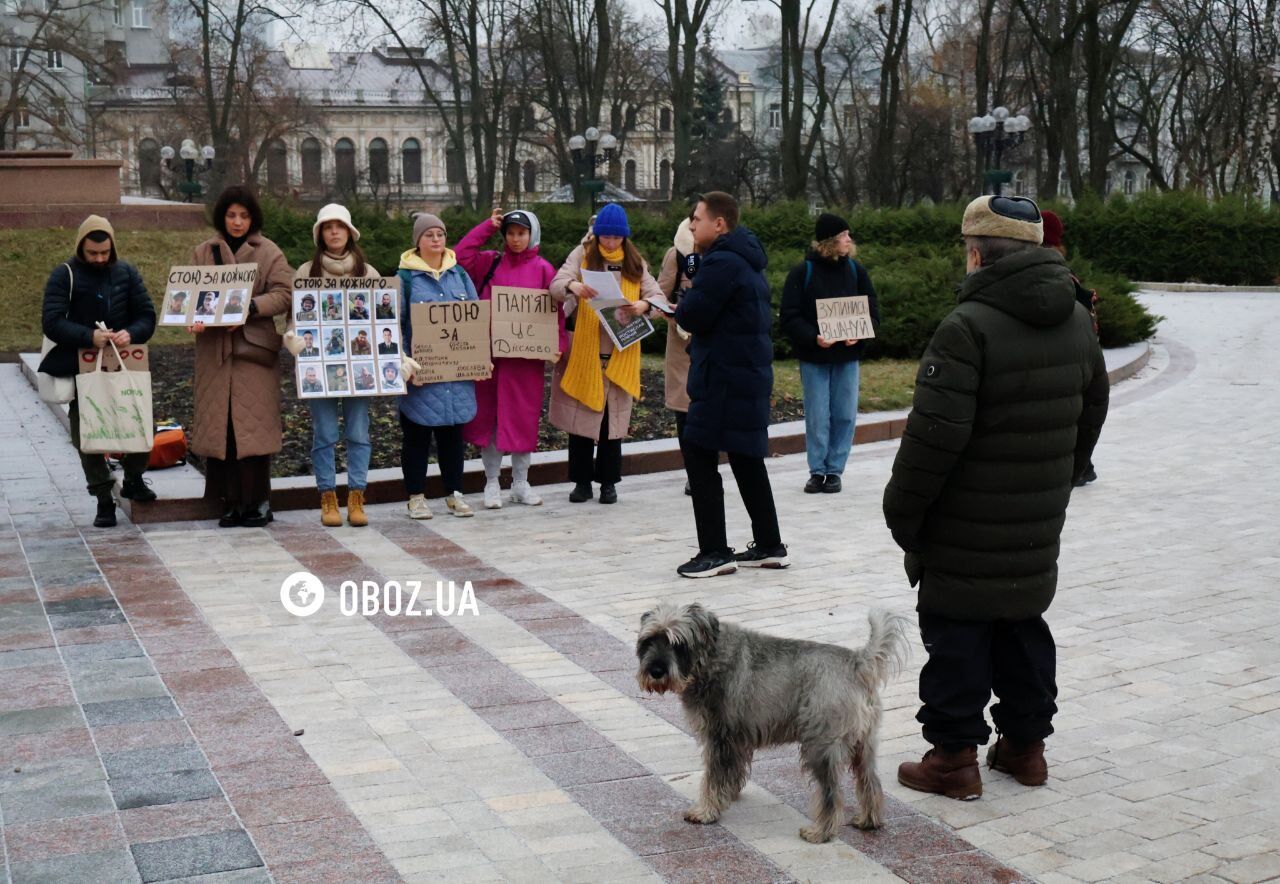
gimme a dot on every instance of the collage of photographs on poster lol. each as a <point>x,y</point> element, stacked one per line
<point>351,338</point>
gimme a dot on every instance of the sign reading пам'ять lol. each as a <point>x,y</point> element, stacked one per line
<point>525,323</point>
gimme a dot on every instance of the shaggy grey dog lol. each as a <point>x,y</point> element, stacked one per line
<point>743,690</point>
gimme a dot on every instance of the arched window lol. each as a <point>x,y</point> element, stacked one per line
<point>148,165</point>
<point>411,161</point>
<point>530,182</point>
<point>1130,182</point>
<point>312,164</point>
<point>277,166</point>
<point>344,161</point>
<point>629,176</point>
<point>664,119</point>
<point>379,164</point>
<point>664,177</point>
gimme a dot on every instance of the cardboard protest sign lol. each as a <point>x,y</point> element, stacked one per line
<point>216,296</point>
<point>845,319</point>
<point>623,329</point>
<point>525,323</point>
<point>451,341</point>
<point>350,333</point>
<point>135,357</point>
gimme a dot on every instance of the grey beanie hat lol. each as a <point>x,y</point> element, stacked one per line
<point>422,222</point>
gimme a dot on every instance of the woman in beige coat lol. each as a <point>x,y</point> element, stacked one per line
<point>678,267</point>
<point>237,381</point>
<point>593,386</point>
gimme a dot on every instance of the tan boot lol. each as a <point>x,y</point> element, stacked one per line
<point>355,509</point>
<point>1024,762</point>
<point>330,516</point>
<point>953,774</point>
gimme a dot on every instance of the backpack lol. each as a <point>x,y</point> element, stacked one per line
<point>808,274</point>
<point>488,277</point>
<point>169,448</point>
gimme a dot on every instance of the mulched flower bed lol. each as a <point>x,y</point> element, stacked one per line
<point>172,369</point>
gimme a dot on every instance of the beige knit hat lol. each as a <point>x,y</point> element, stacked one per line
<point>1011,217</point>
<point>422,222</point>
<point>333,212</point>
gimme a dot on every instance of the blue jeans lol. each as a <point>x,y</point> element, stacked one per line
<point>324,438</point>
<point>830,414</point>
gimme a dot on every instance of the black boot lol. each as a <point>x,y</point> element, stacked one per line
<point>106,517</point>
<point>230,516</point>
<point>581,492</point>
<point>257,515</point>
<point>608,494</point>
<point>136,489</point>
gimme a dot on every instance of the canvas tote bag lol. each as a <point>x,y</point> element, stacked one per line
<point>115,409</point>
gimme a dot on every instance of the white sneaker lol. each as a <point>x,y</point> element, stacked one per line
<point>522,492</point>
<point>458,505</point>
<point>493,495</point>
<point>418,508</point>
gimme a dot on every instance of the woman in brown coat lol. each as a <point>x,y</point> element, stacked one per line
<point>678,267</point>
<point>237,382</point>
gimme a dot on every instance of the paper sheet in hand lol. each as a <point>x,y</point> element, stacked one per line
<point>604,282</point>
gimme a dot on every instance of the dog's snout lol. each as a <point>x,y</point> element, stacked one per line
<point>657,670</point>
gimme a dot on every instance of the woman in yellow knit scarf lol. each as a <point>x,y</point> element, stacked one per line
<point>594,385</point>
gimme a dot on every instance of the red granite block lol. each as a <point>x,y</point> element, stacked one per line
<point>241,747</point>
<point>589,766</point>
<point>485,684</point>
<point>367,867</point>
<point>649,834</point>
<point>513,716</point>
<point>272,776</point>
<point>36,696</point>
<point>554,739</point>
<point>720,864</point>
<point>291,806</point>
<point>18,594</point>
<point>192,661</point>
<point>32,676</point>
<point>24,641</point>
<point>619,799</point>
<point>49,838</point>
<point>203,681</point>
<point>23,749</point>
<point>90,590</point>
<point>973,867</point>
<point>162,822</point>
<point>141,735</point>
<point>84,635</point>
<point>193,638</point>
<point>332,838</point>
<point>905,840</point>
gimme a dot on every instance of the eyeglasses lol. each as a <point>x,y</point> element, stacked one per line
<point>1017,207</point>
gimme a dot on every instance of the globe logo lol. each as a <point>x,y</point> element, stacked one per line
<point>302,594</point>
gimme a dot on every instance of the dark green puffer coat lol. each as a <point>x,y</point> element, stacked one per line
<point>1009,401</point>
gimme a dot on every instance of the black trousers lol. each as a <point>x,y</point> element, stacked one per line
<point>415,453</point>
<point>967,661</point>
<point>239,482</point>
<point>605,452</point>
<point>702,466</point>
<point>97,474</point>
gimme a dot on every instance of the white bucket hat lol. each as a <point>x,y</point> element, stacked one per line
<point>333,212</point>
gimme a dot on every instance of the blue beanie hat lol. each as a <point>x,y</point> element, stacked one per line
<point>612,221</point>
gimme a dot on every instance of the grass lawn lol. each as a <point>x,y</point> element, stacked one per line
<point>29,256</point>
<point>884,385</point>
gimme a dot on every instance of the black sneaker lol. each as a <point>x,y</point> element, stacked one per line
<point>832,485</point>
<point>608,493</point>
<point>712,564</point>
<point>581,492</point>
<point>106,517</point>
<point>763,557</point>
<point>815,484</point>
<point>136,489</point>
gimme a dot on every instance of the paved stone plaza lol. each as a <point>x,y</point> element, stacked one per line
<point>162,716</point>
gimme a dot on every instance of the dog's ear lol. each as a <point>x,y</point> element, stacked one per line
<point>706,623</point>
<point>646,617</point>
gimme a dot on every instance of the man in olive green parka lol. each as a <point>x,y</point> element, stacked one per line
<point>1010,398</point>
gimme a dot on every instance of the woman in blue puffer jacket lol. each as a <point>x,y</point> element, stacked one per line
<point>430,272</point>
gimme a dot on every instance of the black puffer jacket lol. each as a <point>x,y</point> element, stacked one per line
<point>798,314</point>
<point>113,294</point>
<point>1010,398</point>
<point>728,311</point>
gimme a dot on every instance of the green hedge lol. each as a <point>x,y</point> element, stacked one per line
<point>913,255</point>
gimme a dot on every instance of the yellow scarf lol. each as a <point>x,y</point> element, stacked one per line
<point>582,377</point>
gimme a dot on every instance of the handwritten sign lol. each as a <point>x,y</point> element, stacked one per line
<point>525,324</point>
<point>845,319</point>
<point>212,295</point>
<point>451,341</point>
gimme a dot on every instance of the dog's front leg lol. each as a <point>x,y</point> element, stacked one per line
<point>723,776</point>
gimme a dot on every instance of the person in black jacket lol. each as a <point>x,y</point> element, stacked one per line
<point>96,286</point>
<point>1010,399</point>
<point>728,312</point>
<point>828,369</point>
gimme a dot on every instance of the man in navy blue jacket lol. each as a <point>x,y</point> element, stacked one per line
<point>728,312</point>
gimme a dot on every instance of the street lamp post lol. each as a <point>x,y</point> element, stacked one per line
<point>188,153</point>
<point>995,133</point>
<point>586,159</point>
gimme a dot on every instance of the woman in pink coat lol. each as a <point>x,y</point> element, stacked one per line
<point>509,404</point>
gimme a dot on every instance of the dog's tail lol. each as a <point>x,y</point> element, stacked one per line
<point>886,650</point>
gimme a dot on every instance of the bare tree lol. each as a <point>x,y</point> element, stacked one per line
<point>684,20</point>
<point>894,25</point>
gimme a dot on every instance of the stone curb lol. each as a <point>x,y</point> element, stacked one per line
<point>547,468</point>
<point>1202,287</point>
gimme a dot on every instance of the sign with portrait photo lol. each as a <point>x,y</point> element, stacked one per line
<point>343,345</point>
<point>215,296</point>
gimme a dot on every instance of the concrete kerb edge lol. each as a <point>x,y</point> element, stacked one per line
<point>547,468</point>
<point>1203,287</point>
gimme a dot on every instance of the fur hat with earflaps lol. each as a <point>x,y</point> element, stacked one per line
<point>1010,217</point>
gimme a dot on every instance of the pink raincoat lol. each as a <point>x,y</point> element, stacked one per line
<point>510,401</point>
